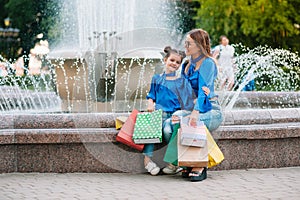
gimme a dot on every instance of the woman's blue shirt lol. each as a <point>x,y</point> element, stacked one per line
<point>204,76</point>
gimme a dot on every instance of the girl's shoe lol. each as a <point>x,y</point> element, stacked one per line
<point>198,176</point>
<point>171,169</point>
<point>152,168</point>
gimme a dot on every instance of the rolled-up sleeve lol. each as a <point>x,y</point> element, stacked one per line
<point>152,93</point>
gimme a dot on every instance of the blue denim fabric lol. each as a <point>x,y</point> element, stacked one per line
<point>212,119</point>
<point>149,148</point>
<point>250,86</point>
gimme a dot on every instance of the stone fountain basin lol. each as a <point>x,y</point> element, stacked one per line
<point>83,142</point>
<point>265,99</point>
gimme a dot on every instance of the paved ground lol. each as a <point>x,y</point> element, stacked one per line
<point>283,183</point>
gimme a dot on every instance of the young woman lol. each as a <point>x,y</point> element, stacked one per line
<point>169,92</point>
<point>200,71</point>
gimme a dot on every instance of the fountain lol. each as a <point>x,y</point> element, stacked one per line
<point>111,53</point>
<point>102,68</point>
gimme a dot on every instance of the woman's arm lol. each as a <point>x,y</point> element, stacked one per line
<point>194,118</point>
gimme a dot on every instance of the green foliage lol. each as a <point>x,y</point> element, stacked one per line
<point>273,69</point>
<point>24,16</point>
<point>50,24</point>
<point>184,15</point>
<point>35,83</point>
<point>252,22</point>
<point>31,17</point>
<point>3,12</point>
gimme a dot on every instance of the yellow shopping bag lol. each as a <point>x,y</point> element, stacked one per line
<point>120,121</point>
<point>215,155</point>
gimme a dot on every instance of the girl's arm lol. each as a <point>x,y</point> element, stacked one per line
<point>151,97</point>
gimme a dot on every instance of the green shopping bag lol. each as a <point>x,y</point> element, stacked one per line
<point>171,155</point>
<point>148,128</point>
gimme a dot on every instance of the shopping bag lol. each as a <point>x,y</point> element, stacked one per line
<point>190,156</point>
<point>125,134</point>
<point>148,128</point>
<point>120,121</point>
<point>215,155</point>
<point>171,155</point>
<point>175,152</point>
<point>192,135</point>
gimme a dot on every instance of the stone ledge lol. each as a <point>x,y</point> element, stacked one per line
<point>258,131</point>
<point>107,120</point>
<point>95,149</point>
<point>261,116</point>
<point>102,135</point>
<point>57,136</point>
<point>61,120</point>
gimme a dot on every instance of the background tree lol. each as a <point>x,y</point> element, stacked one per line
<point>3,12</point>
<point>27,15</point>
<point>253,22</point>
<point>32,17</point>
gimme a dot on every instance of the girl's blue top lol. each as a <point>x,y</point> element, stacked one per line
<point>171,95</point>
<point>204,76</point>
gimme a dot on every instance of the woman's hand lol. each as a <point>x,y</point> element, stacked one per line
<point>194,118</point>
<point>206,90</point>
<point>175,119</point>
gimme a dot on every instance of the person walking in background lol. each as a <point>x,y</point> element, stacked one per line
<point>224,53</point>
<point>169,92</point>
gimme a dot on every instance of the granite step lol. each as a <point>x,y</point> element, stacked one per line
<point>107,120</point>
<point>102,135</point>
<point>63,150</point>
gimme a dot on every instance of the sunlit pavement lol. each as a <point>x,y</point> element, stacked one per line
<point>281,183</point>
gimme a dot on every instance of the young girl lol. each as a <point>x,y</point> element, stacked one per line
<point>169,93</point>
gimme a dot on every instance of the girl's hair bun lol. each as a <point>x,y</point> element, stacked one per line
<point>167,49</point>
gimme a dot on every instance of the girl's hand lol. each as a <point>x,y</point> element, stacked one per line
<point>206,90</point>
<point>194,118</point>
<point>150,108</point>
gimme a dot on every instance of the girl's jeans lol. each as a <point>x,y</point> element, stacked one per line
<point>149,148</point>
<point>212,119</point>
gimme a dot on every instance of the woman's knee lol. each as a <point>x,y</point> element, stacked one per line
<point>212,119</point>
<point>215,122</point>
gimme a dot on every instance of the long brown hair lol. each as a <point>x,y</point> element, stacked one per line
<point>201,38</point>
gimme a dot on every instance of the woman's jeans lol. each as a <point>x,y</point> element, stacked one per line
<point>212,119</point>
<point>149,148</point>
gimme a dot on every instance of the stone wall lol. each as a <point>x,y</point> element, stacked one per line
<point>86,142</point>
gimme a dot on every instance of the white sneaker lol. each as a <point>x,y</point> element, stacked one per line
<point>152,168</point>
<point>171,169</point>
